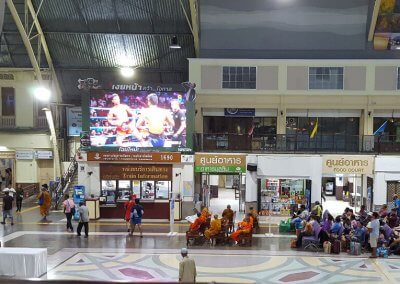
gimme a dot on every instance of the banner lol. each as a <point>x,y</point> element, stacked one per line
<point>74,121</point>
<point>220,163</point>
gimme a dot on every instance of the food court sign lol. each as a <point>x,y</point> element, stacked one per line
<point>337,164</point>
<point>220,163</point>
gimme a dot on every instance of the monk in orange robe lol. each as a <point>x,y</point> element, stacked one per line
<point>244,227</point>
<point>205,214</point>
<point>45,201</point>
<point>215,228</point>
<point>251,219</point>
<point>196,224</point>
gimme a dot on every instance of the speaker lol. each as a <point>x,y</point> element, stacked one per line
<point>252,167</point>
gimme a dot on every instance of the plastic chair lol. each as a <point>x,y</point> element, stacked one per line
<point>312,242</point>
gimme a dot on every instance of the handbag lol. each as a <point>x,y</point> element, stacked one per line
<point>41,200</point>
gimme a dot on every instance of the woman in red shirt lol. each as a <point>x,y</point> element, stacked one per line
<point>128,208</point>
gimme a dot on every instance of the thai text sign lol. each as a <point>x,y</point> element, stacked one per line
<point>220,163</point>
<point>135,172</point>
<point>165,157</point>
<point>338,164</point>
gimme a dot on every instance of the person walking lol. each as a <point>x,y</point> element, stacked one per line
<point>187,268</point>
<point>44,201</point>
<point>128,209</point>
<point>7,208</point>
<point>136,217</point>
<point>83,219</point>
<point>373,229</point>
<point>19,196</point>
<point>69,210</point>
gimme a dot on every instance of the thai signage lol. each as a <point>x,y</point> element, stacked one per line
<point>135,172</point>
<point>220,163</point>
<point>162,157</point>
<point>337,164</point>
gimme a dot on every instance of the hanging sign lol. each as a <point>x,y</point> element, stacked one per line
<point>220,163</point>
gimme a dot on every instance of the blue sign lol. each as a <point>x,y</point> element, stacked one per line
<point>78,197</point>
<point>240,111</point>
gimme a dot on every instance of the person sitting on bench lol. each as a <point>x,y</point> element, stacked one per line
<point>244,227</point>
<point>195,226</point>
<point>215,228</point>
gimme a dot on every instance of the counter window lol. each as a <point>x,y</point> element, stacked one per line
<point>162,189</point>
<point>124,189</point>
<point>108,190</point>
<point>136,188</point>
<point>147,190</point>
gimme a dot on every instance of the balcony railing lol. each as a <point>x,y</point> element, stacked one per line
<point>7,121</point>
<point>41,122</point>
<point>297,143</point>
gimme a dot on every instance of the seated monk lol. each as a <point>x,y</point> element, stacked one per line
<point>251,219</point>
<point>253,212</point>
<point>215,228</point>
<point>244,227</point>
<point>195,226</point>
<point>204,214</point>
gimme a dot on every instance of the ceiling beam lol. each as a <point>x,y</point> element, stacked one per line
<point>374,19</point>
<point>104,33</point>
<point>194,12</point>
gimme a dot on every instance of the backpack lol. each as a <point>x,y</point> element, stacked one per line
<point>136,212</point>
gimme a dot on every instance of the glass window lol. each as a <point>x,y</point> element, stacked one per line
<point>325,78</point>
<point>8,101</point>
<point>108,190</point>
<point>163,189</point>
<point>147,190</point>
<point>239,77</point>
<point>124,189</point>
<point>136,188</point>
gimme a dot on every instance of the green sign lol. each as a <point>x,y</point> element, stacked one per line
<point>219,169</point>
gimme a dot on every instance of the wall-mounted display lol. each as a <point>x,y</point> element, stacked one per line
<point>138,119</point>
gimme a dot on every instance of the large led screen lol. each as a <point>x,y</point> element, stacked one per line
<point>138,119</point>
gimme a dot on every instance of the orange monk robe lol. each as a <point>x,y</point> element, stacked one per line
<point>215,228</point>
<point>204,214</point>
<point>253,213</point>
<point>228,214</point>
<point>45,207</point>
<point>196,224</point>
<point>251,221</point>
<point>244,228</point>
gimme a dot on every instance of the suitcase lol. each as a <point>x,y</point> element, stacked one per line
<point>336,247</point>
<point>327,247</point>
<point>355,248</point>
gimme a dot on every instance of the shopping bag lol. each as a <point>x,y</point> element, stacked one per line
<point>355,248</point>
<point>293,243</point>
<point>327,247</point>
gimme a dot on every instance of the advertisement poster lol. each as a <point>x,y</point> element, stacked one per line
<point>387,30</point>
<point>74,120</point>
<point>85,141</point>
<point>137,120</point>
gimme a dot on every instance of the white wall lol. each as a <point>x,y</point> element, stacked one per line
<point>26,171</point>
<point>387,168</point>
<point>251,180</point>
<point>299,167</point>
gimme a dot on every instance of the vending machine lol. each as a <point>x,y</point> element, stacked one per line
<point>79,196</point>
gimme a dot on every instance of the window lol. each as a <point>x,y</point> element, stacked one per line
<point>8,101</point>
<point>235,77</point>
<point>325,78</point>
<point>398,78</point>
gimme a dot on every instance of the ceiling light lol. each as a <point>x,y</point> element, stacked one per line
<point>42,93</point>
<point>174,43</point>
<point>127,72</point>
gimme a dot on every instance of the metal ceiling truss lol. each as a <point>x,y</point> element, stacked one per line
<point>29,10</point>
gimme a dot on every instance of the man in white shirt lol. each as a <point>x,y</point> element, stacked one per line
<point>187,268</point>
<point>373,229</point>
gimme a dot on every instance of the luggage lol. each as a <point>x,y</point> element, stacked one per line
<point>327,247</point>
<point>355,248</point>
<point>284,226</point>
<point>293,243</point>
<point>382,252</point>
<point>336,247</point>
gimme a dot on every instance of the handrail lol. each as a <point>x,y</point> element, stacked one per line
<point>66,180</point>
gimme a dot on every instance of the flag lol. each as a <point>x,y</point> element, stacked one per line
<point>381,128</point>
<point>315,130</point>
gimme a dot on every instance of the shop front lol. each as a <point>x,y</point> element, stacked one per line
<point>154,178</point>
<point>279,184</point>
<point>221,180</point>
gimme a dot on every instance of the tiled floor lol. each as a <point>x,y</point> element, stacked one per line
<point>109,254</point>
